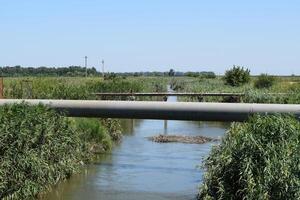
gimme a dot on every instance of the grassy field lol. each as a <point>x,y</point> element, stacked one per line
<point>289,85</point>
<point>77,88</point>
<point>82,88</point>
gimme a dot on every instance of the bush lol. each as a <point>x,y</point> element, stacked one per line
<point>38,147</point>
<point>264,81</point>
<point>256,160</point>
<point>237,76</point>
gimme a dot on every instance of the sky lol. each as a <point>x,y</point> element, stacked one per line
<point>152,35</point>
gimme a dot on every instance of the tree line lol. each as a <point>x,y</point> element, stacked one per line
<point>17,71</point>
<point>78,71</point>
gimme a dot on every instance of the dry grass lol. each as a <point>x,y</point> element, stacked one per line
<point>181,139</point>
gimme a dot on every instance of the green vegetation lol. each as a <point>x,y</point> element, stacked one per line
<point>283,90</point>
<point>77,88</point>
<point>201,74</point>
<point>98,133</point>
<point>237,76</point>
<point>72,71</point>
<point>38,147</point>
<point>258,159</point>
<point>264,81</point>
<point>110,76</point>
<point>171,72</point>
<point>207,75</point>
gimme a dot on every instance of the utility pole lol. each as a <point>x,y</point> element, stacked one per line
<point>85,64</point>
<point>103,68</point>
<point>1,87</point>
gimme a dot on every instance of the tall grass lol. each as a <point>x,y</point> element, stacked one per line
<point>253,95</point>
<point>99,133</point>
<point>38,147</point>
<point>76,88</point>
<point>258,159</point>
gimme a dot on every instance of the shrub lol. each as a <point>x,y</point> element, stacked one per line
<point>38,147</point>
<point>264,81</point>
<point>237,76</point>
<point>256,160</point>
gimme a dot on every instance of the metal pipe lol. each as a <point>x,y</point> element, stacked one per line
<point>161,110</point>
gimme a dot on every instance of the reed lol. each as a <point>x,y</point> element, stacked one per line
<point>258,159</point>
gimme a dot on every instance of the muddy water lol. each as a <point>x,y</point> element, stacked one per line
<point>140,169</point>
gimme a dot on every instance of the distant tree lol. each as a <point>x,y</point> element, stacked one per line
<point>17,71</point>
<point>192,74</point>
<point>208,75</point>
<point>237,76</point>
<point>203,74</point>
<point>171,72</point>
<point>157,73</point>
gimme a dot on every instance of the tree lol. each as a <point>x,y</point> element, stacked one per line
<point>237,76</point>
<point>18,71</point>
<point>171,72</point>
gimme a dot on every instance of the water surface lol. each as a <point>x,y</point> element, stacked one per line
<point>140,169</point>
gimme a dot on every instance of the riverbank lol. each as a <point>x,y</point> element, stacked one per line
<point>39,148</point>
<point>257,159</point>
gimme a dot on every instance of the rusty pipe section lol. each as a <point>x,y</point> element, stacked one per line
<point>161,110</point>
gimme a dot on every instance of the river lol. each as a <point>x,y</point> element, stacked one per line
<point>139,169</point>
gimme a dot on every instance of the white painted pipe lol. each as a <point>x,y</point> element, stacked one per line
<point>161,110</point>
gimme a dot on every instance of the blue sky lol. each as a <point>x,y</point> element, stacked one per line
<point>149,35</point>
